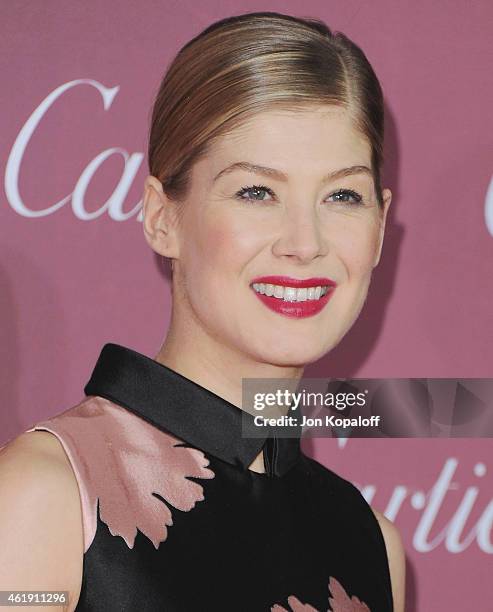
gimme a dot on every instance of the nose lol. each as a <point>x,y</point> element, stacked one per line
<point>300,236</point>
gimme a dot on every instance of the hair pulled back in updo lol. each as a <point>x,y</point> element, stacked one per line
<point>242,65</point>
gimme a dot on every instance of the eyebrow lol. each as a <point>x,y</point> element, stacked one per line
<point>281,176</point>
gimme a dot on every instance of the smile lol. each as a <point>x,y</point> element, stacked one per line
<point>291,294</point>
<point>291,297</point>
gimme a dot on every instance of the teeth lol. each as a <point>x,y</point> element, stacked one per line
<point>291,294</point>
<point>278,291</point>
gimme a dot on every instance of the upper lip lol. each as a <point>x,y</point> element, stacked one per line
<point>289,281</point>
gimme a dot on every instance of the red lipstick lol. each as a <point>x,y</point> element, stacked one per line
<point>306,308</point>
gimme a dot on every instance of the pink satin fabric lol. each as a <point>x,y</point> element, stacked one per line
<point>119,460</point>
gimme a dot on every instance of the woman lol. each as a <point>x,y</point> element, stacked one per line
<point>264,192</point>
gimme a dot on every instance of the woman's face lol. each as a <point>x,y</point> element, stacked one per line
<point>240,223</point>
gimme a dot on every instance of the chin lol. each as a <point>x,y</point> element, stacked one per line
<point>289,356</point>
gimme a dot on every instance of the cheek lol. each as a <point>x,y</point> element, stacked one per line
<point>357,249</point>
<point>222,245</point>
<point>229,243</point>
<point>217,245</point>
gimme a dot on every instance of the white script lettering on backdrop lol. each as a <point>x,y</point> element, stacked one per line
<point>114,204</point>
<point>488,207</point>
<point>430,504</point>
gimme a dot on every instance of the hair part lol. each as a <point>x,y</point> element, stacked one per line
<point>246,64</point>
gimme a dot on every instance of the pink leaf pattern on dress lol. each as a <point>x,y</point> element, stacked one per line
<point>120,459</point>
<point>296,606</point>
<point>339,601</point>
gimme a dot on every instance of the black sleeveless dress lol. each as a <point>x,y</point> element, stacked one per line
<point>174,520</point>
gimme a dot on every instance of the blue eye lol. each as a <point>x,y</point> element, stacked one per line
<point>258,193</point>
<point>253,192</point>
<point>345,193</point>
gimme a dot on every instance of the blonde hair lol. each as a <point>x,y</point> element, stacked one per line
<point>242,65</point>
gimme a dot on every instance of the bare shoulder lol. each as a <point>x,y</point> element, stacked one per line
<point>40,517</point>
<point>397,559</point>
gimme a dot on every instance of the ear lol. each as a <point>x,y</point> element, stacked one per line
<point>387,198</point>
<point>159,219</point>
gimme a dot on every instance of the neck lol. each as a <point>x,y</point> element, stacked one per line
<point>217,367</point>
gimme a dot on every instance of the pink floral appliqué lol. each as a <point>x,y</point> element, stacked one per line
<point>339,601</point>
<point>120,459</point>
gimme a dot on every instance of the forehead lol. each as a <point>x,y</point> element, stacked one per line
<point>315,136</point>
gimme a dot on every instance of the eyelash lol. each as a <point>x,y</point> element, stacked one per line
<point>358,199</point>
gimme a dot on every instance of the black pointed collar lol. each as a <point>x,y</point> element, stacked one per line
<point>174,403</point>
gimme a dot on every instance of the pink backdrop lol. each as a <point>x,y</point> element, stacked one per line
<point>78,81</point>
